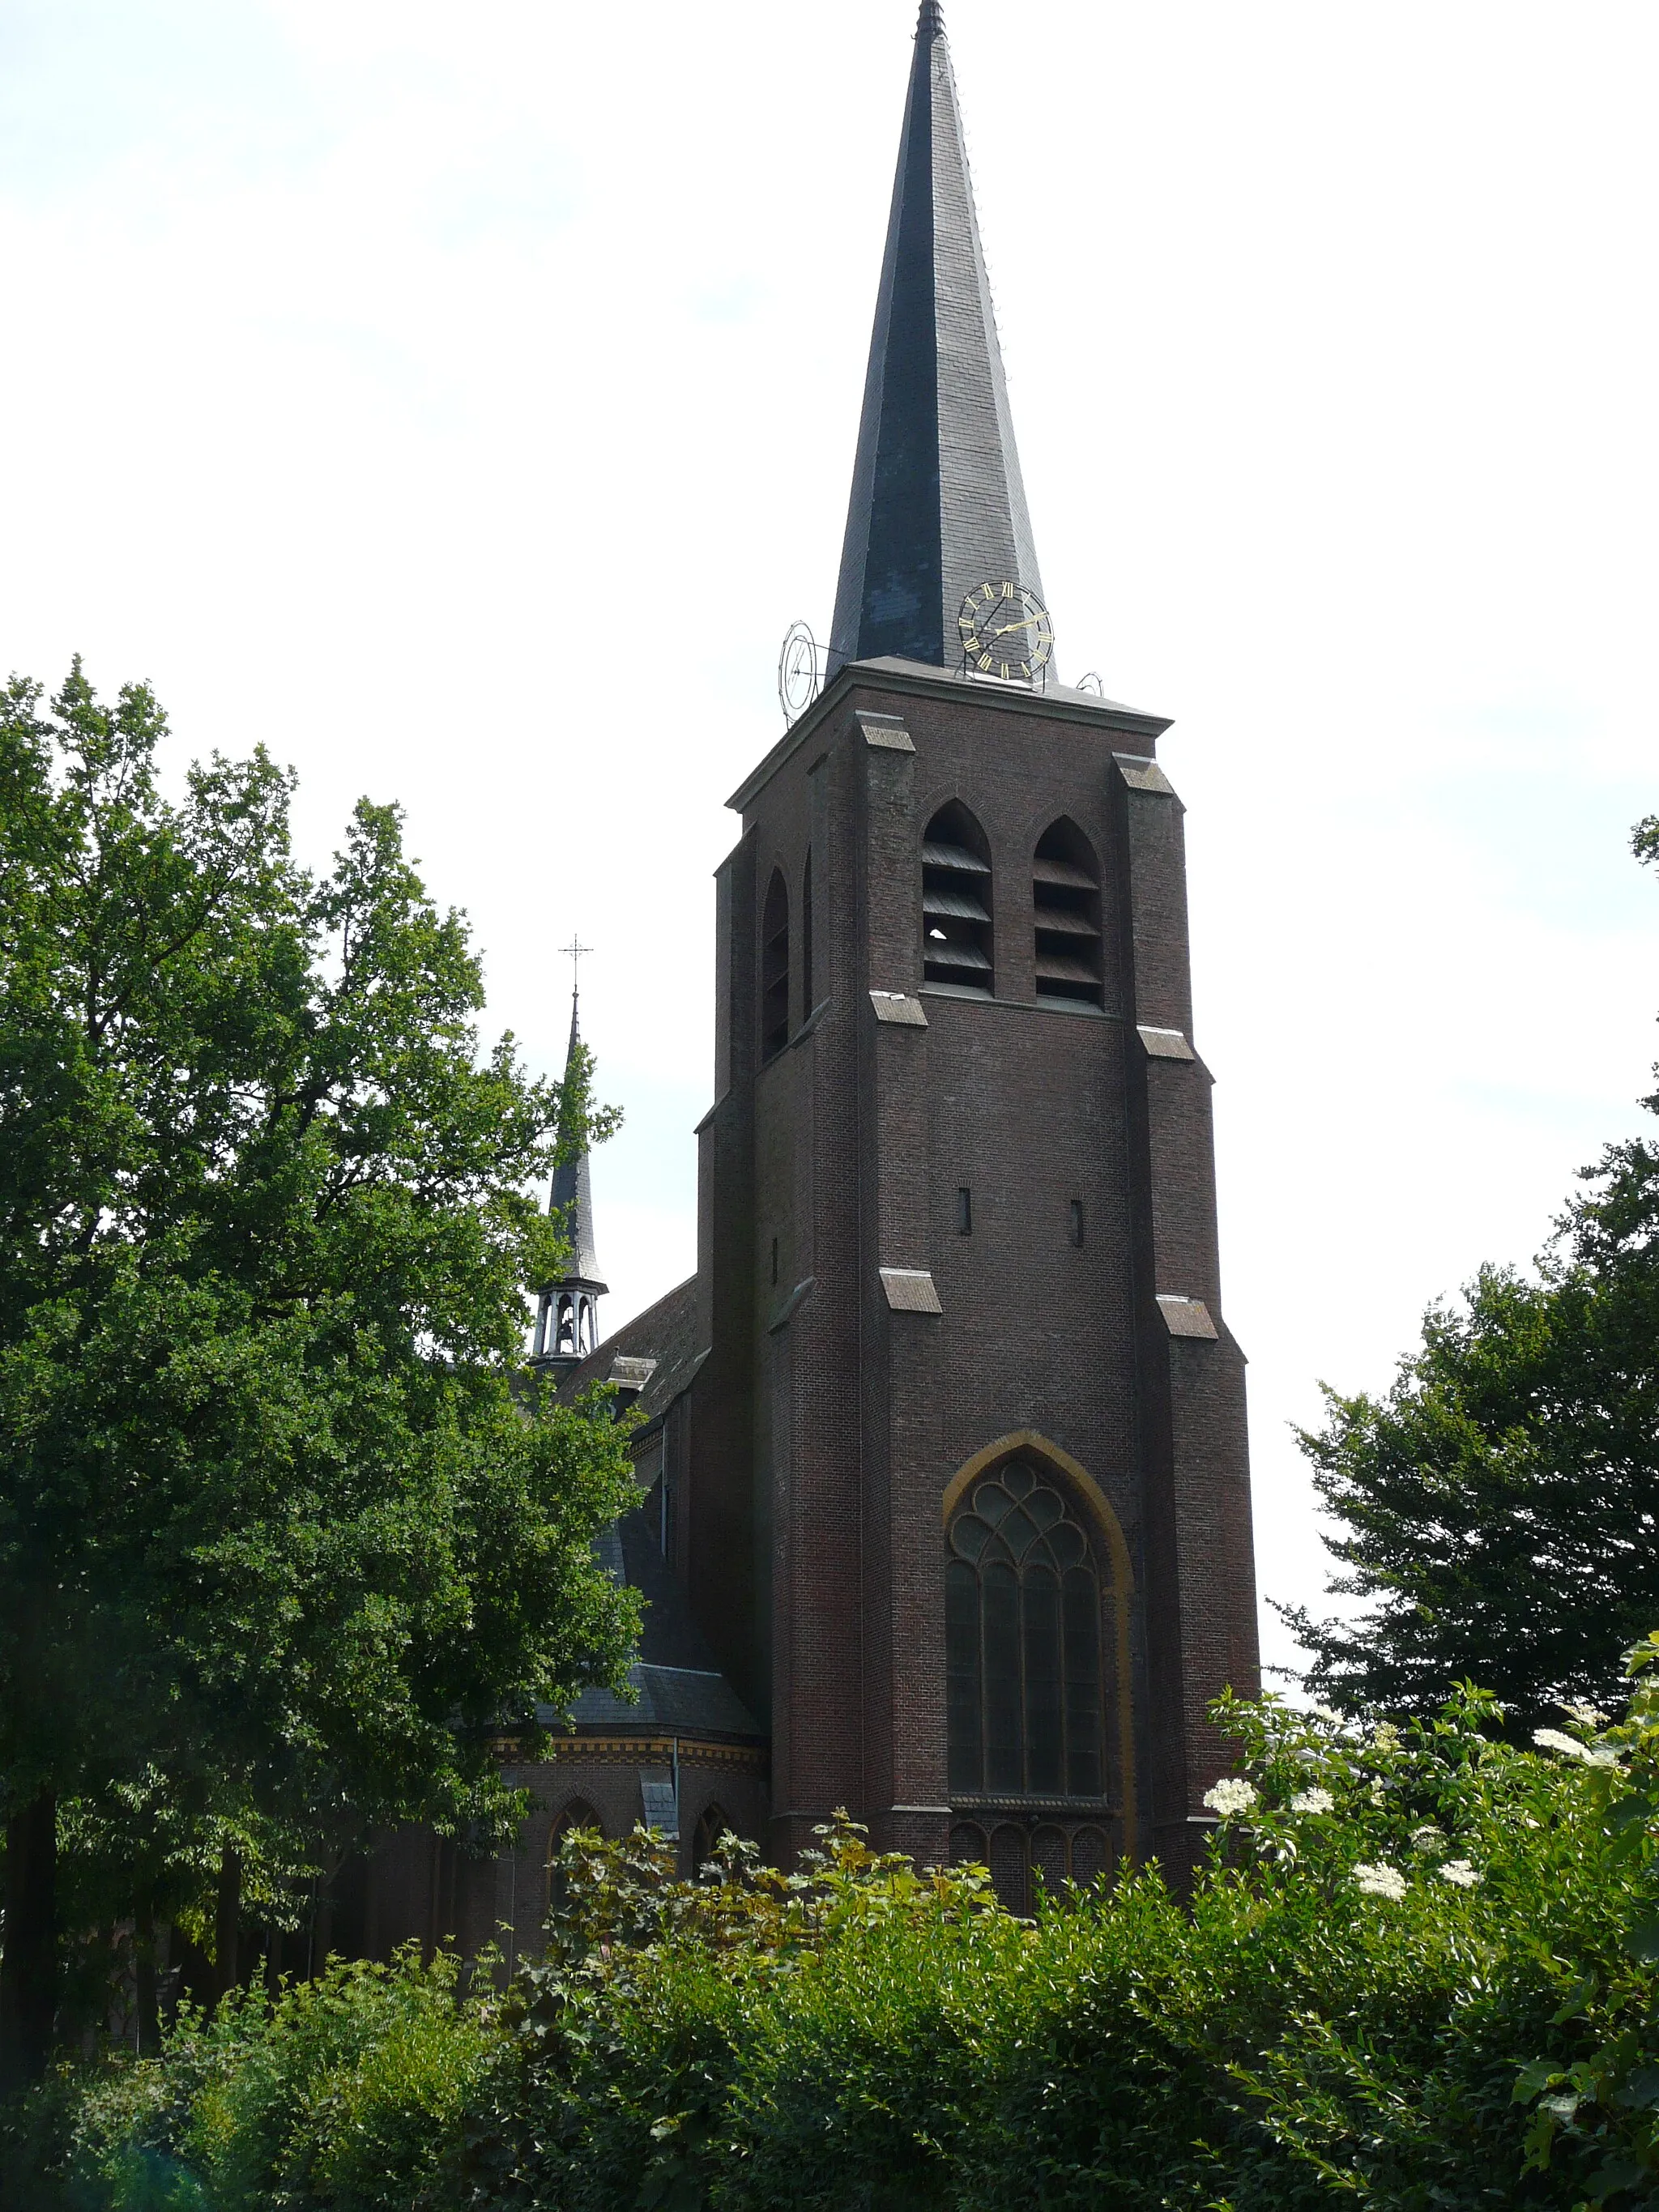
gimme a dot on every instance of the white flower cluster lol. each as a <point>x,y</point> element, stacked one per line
<point>1313,1801</point>
<point>1586,1715</point>
<point>1428,1837</point>
<point>1230,1795</point>
<point>1380,1881</point>
<point>1459,1873</point>
<point>1327,1713</point>
<point>1592,1754</point>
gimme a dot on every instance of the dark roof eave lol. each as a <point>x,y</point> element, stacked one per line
<point>921,681</point>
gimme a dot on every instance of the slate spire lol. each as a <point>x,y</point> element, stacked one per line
<point>938,503</point>
<point>566,1320</point>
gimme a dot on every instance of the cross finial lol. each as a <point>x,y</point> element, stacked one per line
<point>573,953</point>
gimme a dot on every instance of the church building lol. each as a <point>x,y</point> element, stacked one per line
<point>944,1500</point>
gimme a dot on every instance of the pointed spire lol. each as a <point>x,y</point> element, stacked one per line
<point>567,1319</point>
<point>571,1194</point>
<point>937,504</point>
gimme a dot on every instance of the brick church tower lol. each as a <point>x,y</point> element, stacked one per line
<point>966,1502</point>
<point>946,1509</point>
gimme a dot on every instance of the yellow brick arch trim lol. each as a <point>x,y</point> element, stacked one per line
<point>1093,1499</point>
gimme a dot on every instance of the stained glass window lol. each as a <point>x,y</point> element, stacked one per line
<point>1022,1644</point>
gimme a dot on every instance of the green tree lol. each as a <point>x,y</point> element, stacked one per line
<point>1499,1507</point>
<point>287,1535</point>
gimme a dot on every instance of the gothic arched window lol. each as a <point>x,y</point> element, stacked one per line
<point>775,968</point>
<point>1066,903</point>
<point>579,1813</point>
<point>955,904</point>
<point>711,1824</point>
<point>1022,1644</point>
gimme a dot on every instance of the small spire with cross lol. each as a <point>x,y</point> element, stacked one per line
<point>568,1316</point>
<point>573,952</point>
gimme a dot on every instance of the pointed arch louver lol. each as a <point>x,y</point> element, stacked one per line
<point>1065,913</point>
<point>957,935</point>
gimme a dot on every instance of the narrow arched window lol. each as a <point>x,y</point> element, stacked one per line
<point>775,968</point>
<point>579,1813</point>
<point>808,1001</point>
<point>711,1824</point>
<point>1022,1644</point>
<point>1066,900</point>
<point>956,952</point>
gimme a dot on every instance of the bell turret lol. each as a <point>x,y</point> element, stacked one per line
<point>567,1314</point>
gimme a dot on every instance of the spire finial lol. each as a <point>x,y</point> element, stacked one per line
<point>930,23</point>
<point>573,952</point>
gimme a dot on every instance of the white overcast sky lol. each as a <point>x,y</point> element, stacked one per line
<point>461,400</point>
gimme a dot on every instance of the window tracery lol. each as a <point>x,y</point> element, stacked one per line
<point>1023,1657</point>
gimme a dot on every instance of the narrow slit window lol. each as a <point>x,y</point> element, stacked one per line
<point>775,968</point>
<point>956,949</point>
<point>1076,1223</point>
<point>964,1211</point>
<point>1066,913</point>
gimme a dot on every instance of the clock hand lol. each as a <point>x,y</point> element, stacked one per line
<point>1008,627</point>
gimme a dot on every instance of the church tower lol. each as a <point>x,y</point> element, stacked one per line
<point>944,1495</point>
<point>963,1501</point>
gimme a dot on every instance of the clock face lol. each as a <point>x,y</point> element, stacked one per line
<point>1005,631</point>
<point>797,671</point>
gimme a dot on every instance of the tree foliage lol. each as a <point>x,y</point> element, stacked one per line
<point>285,1537</point>
<point>1499,1506</point>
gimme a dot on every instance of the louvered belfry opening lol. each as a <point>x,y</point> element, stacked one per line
<point>775,968</point>
<point>1066,893</point>
<point>955,904</point>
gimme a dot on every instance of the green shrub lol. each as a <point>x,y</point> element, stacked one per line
<point>348,2091</point>
<point>1418,1976</point>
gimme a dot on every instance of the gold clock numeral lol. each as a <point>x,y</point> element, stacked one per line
<point>990,593</point>
<point>984,661</point>
<point>1008,591</point>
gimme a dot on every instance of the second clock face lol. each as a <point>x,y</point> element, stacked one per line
<point>1005,631</point>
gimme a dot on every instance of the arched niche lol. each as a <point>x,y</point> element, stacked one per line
<point>775,968</point>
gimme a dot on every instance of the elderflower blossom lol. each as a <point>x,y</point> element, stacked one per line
<point>1329,1713</point>
<point>1428,1837</point>
<point>1230,1795</point>
<point>1592,1754</point>
<point>1380,1881</point>
<point>1313,1801</point>
<point>1459,1873</point>
<point>1385,1736</point>
<point>1586,1716</point>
